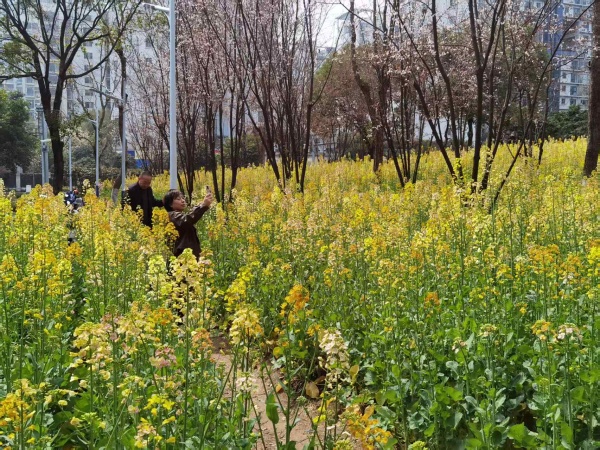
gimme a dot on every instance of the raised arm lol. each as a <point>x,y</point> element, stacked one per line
<point>182,220</point>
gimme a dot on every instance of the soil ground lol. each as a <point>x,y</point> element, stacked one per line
<point>302,431</point>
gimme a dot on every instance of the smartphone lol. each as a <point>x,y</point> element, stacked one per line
<point>208,191</point>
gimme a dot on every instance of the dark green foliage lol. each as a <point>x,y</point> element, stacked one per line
<point>17,139</point>
<point>567,124</point>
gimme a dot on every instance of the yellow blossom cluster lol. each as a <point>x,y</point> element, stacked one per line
<point>294,302</point>
<point>364,428</point>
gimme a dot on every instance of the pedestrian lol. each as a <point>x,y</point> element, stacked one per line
<point>140,196</point>
<point>114,196</point>
<point>175,204</point>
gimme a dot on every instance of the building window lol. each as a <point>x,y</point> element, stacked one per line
<point>148,60</point>
<point>583,102</point>
<point>87,80</point>
<point>149,39</point>
<point>563,88</point>
<point>89,56</point>
<point>88,93</point>
<point>89,105</point>
<point>572,101</point>
<point>573,90</point>
<point>563,101</point>
<point>30,92</point>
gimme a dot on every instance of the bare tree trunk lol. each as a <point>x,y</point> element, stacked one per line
<point>591,154</point>
<point>221,144</point>
<point>376,144</point>
<point>123,60</point>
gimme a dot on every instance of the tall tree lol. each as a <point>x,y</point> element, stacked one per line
<point>17,139</point>
<point>270,50</point>
<point>40,35</point>
<point>591,154</point>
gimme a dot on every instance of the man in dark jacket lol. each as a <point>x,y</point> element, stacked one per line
<point>184,222</point>
<point>140,196</point>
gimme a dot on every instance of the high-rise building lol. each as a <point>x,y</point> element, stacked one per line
<point>571,31</point>
<point>567,25</point>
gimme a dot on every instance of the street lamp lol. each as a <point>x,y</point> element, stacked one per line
<point>70,159</point>
<point>43,140</point>
<point>45,165</point>
<point>70,166</point>
<point>96,126</point>
<point>172,91</point>
<point>123,103</point>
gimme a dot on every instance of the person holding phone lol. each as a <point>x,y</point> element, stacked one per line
<point>175,205</point>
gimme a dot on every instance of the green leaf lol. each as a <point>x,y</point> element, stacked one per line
<point>272,409</point>
<point>500,401</point>
<point>578,394</point>
<point>391,442</point>
<point>522,436</point>
<point>473,443</point>
<point>566,434</point>
<point>454,420</point>
<point>430,430</point>
<point>386,413</point>
<point>453,393</point>
<point>452,365</point>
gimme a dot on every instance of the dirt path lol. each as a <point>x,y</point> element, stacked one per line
<point>302,431</point>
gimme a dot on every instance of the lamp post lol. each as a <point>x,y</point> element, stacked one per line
<point>96,126</point>
<point>43,141</point>
<point>170,11</point>
<point>70,166</point>
<point>45,167</point>
<point>123,103</point>
<point>70,158</point>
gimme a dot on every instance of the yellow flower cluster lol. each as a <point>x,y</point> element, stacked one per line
<point>542,329</point>
<point>364,428</point>
<point>245,325</point>
<point>294,302</point>
<point>236,293</point>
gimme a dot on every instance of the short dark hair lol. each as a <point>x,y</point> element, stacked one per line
<point>145,173</point>
<point>169,197</point>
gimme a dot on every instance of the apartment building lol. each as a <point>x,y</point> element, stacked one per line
<point>567,33</point>
<point>571,78</point>
<point>80,95</point>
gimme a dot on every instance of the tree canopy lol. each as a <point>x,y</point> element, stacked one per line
<point>17,138</point>
<point>567,124</point>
